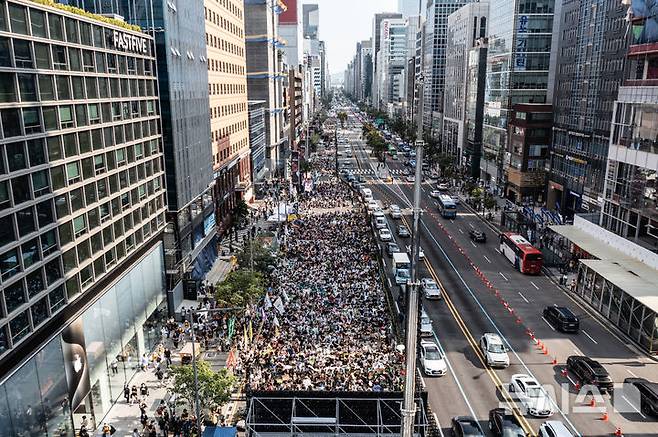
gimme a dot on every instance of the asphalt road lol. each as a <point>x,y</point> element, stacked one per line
<point>471,307</point>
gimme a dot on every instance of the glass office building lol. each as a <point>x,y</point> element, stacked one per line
<point>518,59</point>
<point>82,207</point>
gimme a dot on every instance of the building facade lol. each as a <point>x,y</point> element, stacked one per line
<point>589,70</point>
<point>630,205</point>
<point>465,26</point>
<point>434,64</point>
<point>291,30</point>
<point>229,120</point>
<point>83,212</point>
<point>265,78</point>
<point>311,18</point>
<point>476,81</point>
<point>376,60</point>
<point>257,140</point>
<point>393,55</point>
<point>409,8</point>
<point>518,61</point>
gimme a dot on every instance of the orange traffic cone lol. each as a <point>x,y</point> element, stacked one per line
<point>592,402</point>
<point>605,416</point>
<point>618,432</point>
<point>577,385</point>
<point>554,362</point>
<point>565,372</point>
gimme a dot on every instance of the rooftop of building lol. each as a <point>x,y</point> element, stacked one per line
<point>114,20</point>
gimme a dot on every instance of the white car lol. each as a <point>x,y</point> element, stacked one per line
<point>385,235</point>
<point>372,205</point>
<point>380,223</point>
<point>443,187</point>
<point>526,390</point>
<point>402,276</point>
<point>395,211</point>
<point>435,194</point>
<point>426,329</point>
<point>430,288</point>
<point>494,351</point>
<point>411,178</point>
<point>455,199</point>
<point>378,213</point>
<point>432,359</point>
<point>554,428</point>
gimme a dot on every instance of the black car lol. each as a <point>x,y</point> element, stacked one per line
<point>392,248</point>
<point>403,231</point>
<point>590,372</point>
<point>648,395</point>
<point>477,236</point>
<point>466,426</point>
<point>503,423</point>
<point>562,318</point>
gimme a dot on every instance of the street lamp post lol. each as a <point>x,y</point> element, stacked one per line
<point>409,405</point>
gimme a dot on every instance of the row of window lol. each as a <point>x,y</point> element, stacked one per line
<point>222,44</point>
<point>225,110</point>
<point>226,88</point>
<point>226,152</point>
<point>222,22</point>
<point>217,135</point>
<point>22,53</point>
<point>226,67</point>
<point>38,23</point>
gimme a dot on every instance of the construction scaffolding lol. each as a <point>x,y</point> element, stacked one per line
<point>324,414</point>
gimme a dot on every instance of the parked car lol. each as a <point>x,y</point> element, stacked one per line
<point>403,231</point>
<point>590,372</point>
<point>648,395</point>
<point>432,359</point>
<point>421,253</point>
<point>554,428</point>
<point>426,329</point>
<point>435,194</point>
<point>561,318</point>
<point>494,351</point>
<point>385,235</point>
<point>503,423</point>
<point>531,395</point>
<point>466,426</point>
<point>477,236</point>
<point>430,288</point>
<point>392,248</point>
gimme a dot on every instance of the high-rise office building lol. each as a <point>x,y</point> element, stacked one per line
<point>82,212</point>
<point>436,30</point>
<point>589,70</point>
<point>311,17</point>
<point>393,54</point>
<point>257,141</point>
<point>409,8</point>
<point>265,78</point>
<point>630,201</point>
<point>365,69</point>
<point>465,26</point>
<point>475,78</point>
<point>518,61</point>
<point>291,31</point>
<point>229,120</point>
<point>376,47</point>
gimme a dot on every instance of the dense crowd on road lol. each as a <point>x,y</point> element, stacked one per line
<point>326,195</point>
<point>329,328</point>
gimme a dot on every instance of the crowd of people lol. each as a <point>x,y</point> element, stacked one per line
<point>324,324</point>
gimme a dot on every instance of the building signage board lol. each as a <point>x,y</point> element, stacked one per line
<point>129,42</point>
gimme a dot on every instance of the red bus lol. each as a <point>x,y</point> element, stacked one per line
<point>525,257</point>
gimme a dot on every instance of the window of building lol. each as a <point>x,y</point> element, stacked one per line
<point>66,116</point>
<point>5,52</point>
<point>40,183</point>
<point>59,57</point>
<point>5,201</point>
<point>54,148</point>
<point>25,220</point>
<point>55,27</point>
<point>9,265</point>
<point>32,121</point>
<point>53,271</point>
<point>30,251</point>
<point>48,244</point>
<point>50,118</point>
<point>7,87</point>
<point>14,296</point>
<point>63,89</point>
<point>73,172</point>
<point>11,122</point>
<point>7,233</point>
<point>57,299</point>
<point>81,115</point>
<point>27,87</point>
<point>45,213</point>
<point>39,312</point>
<point>19,327</point>
<point>17,18</point>
<point>79,225</point>
<point>72,34</point>
<point>91,87</point>
<point>88,61</point>
<point>46,88</point>
<point>36,152</point>
<point>20,188</point>
<point>16,157</point>
<point>42,56</point>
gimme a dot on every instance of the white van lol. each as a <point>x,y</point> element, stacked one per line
<point>367,194</point>
<point>426,329</point>
<point>400,261</point>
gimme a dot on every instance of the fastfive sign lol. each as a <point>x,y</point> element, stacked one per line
<point>128,42</point>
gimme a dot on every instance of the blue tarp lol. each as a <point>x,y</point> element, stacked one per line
<point>220,431</point>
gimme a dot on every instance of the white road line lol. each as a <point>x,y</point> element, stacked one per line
<point>389,282</point>
<point>549,325</point>
<point>438,424</point>
<point>571,380</point>
<point>504,277</point>
<point>497,250</point>
<point>473,244</point>
<point>589,336</point>
<point>485,257</point>
<point>460,230</point>
<point>534,285</point>
<point>633,407</point>
<point>397,308</point>
<point>471,225</point>
<point>631,372</point>
<point>522,296</point>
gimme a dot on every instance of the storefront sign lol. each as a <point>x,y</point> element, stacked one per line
<point>129,43</point>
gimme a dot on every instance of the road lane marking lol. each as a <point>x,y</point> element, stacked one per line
<point>589,336</point>
<point>460,230</point>
<point>438,424</point>
<point>633,407</point>
<point>488,260</point>
<point>534,285</point>
<point>631,372</point>
<point>473,244</point>
<point>497,250</point>
<point>526,300</point>
<point>549,325</point>
<point>504,277</point>
<point>571,380</point>
<point>471,225</point>
<point>389,282</point>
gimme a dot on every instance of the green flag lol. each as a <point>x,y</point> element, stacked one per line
<point>231,328</point>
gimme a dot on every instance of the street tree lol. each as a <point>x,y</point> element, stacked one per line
<point>342,117</point>
<point>240,288</point>
<point>376,143</point>
<point>214,388</point>
<point>255,250</point>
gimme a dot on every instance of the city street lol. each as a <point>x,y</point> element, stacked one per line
<point>470,308</point>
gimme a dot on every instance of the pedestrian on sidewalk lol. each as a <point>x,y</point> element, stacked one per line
<point>126,392</point>
<point>167,355</point>
<point>143,390</point>
<point>133,394</point>
<point>135,433</point>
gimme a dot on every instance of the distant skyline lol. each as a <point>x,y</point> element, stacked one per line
<point>345,22</point>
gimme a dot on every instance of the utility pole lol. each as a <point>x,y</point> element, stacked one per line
<point>336,143</point>
<point>409,405</point>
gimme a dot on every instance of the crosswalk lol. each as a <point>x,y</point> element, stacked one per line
<point>370,171</point>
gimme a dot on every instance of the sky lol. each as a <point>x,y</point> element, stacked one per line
<point>343,23</point>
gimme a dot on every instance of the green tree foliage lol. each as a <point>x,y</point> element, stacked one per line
<point>214,387</point>
<point>342,117</point>
<point>261,255</point>
<point>240,211</point>
<point>377,143</point>
<point>240,288</point>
